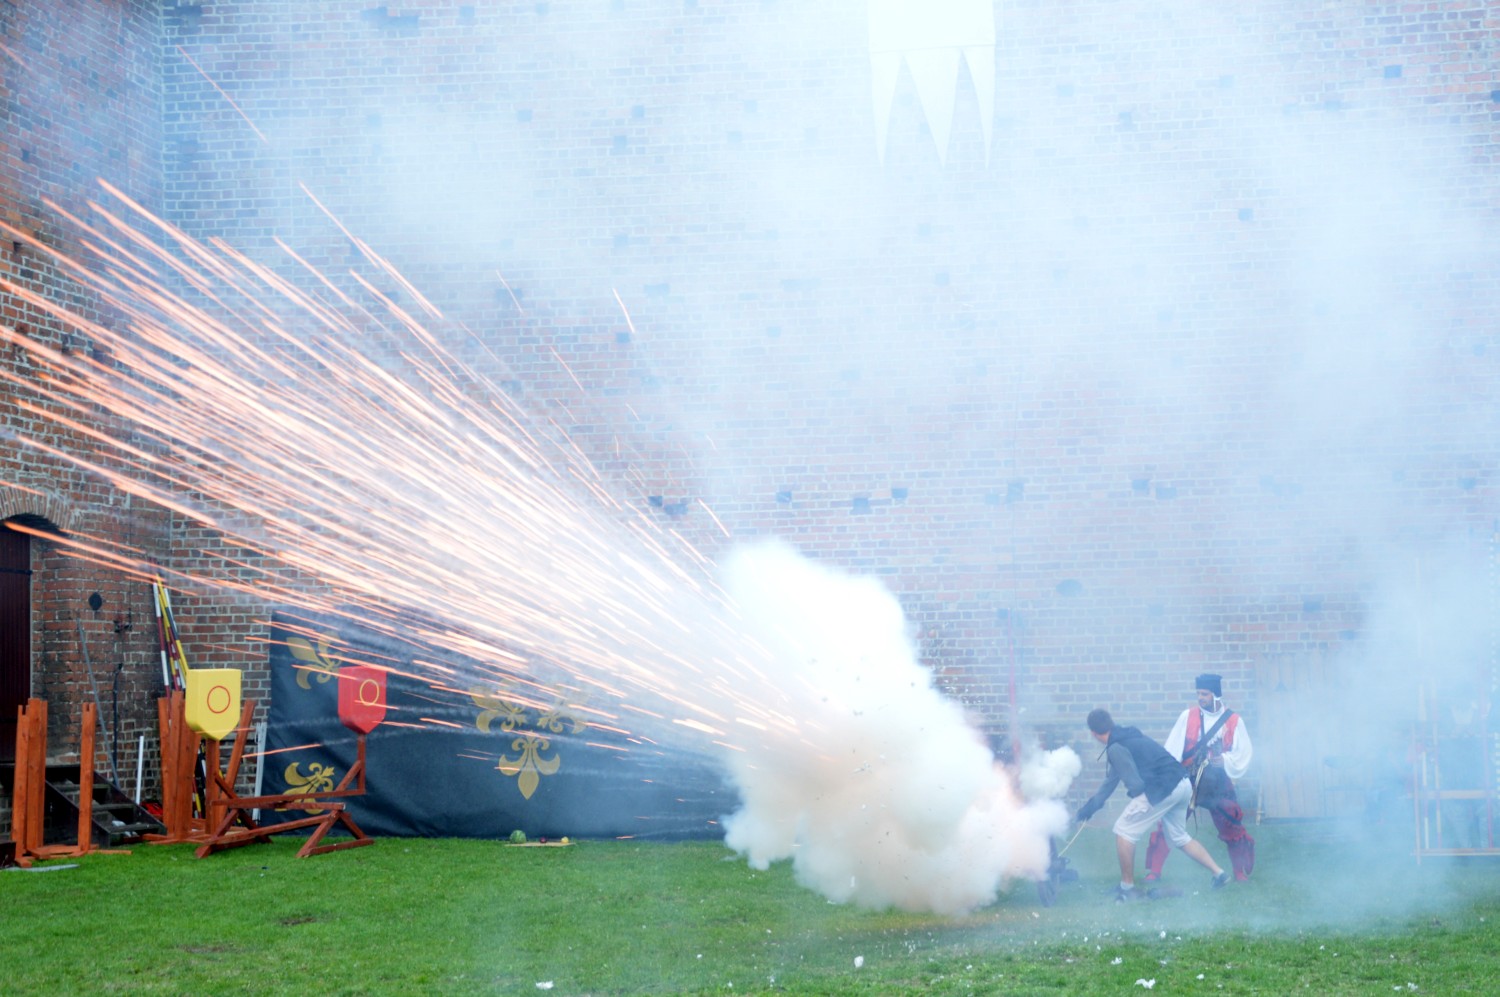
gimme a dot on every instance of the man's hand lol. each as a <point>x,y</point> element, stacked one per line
<point>1084,813</point>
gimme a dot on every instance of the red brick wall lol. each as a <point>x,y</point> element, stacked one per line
<point>1188,369</point>
<point>80,99</point>
<point>1075,446</point>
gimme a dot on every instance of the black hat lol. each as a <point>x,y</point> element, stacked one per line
<point>1213,683</point>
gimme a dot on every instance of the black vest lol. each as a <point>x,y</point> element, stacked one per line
<point>1159,770</point>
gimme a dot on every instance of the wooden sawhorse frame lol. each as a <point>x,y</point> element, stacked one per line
<point>28,807</point>
<point>226,809</point>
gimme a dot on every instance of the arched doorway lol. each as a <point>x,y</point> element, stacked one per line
<point>15,632</point>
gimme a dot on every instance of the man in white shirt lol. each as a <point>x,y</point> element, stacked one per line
<point>1225,758</point>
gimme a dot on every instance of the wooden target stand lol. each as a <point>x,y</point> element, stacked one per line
<point>362,704</point>
<point>28,794</point>
<point>202,713</point>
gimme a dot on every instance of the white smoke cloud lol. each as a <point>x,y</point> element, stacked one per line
<point>1048,775</point>
<point>887,798</point>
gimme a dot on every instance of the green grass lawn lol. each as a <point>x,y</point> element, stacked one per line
<point>478,917</point>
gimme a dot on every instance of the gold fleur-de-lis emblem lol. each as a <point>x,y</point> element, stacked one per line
<point>319,779</point>
<point>532,761</point>
<point>532,765</point>
<point>555,720</point>
<point>492,707</point>
<point>318,664</point>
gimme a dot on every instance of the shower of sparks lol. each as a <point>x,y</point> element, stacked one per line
<point>425,504</point>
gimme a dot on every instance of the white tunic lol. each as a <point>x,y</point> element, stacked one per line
<point>1236,760</point>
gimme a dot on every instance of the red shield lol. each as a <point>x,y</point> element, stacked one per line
<point>361,697</point>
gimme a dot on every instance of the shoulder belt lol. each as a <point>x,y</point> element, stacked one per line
<point>1195,727</point>
<point>1200,746</point>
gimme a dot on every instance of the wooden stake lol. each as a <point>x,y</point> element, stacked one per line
<point>86,778</point>
<point>179,753</point>
<point>36,775</point>
<point>20,809</point>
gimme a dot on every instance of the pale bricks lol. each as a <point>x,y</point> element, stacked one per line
<point>794,391</point>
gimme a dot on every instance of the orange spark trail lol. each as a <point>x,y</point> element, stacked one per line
<point>229,99</point>
<point>558,357</point>
<point>259,402</point>
<point>624,311</point>
<point>717,521</point>
<point>12,54</point>
<point>280,751</point>
<point>514,300</point>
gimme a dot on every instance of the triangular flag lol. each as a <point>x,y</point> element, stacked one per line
<point>935,72</point>
<point>929,36</point>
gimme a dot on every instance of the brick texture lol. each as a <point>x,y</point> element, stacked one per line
<point>1188,368</point>
<point>80,100</point>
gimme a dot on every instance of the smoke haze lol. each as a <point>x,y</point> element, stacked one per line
<point>1184,362</point>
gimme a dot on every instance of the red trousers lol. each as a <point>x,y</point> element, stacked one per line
<point>1229,820</point>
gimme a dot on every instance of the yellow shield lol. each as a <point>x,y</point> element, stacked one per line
<point>213,701</point>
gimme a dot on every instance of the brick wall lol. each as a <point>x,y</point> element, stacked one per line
<point>1187,368</point>
<point>80,99</point>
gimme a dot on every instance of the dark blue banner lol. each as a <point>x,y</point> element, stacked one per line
<point>464,753</point>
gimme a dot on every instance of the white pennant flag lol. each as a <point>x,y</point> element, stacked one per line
<point>931,37</point>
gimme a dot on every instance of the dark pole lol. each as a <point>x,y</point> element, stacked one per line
<point>94,686</point>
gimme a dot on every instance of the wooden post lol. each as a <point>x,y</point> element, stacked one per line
<point>18,814</point>
<point>179,751</point>
<point>86,778</point>
<point>187,758</point>
<point>171,780</point>
<point>212,786</point>
<point>170,784</point>
<point>23,820</point>
<point>36,777</point>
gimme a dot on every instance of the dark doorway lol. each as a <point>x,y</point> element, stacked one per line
<point>15,633</point>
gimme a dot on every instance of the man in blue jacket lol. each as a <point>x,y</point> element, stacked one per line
<point>1159,790</point>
